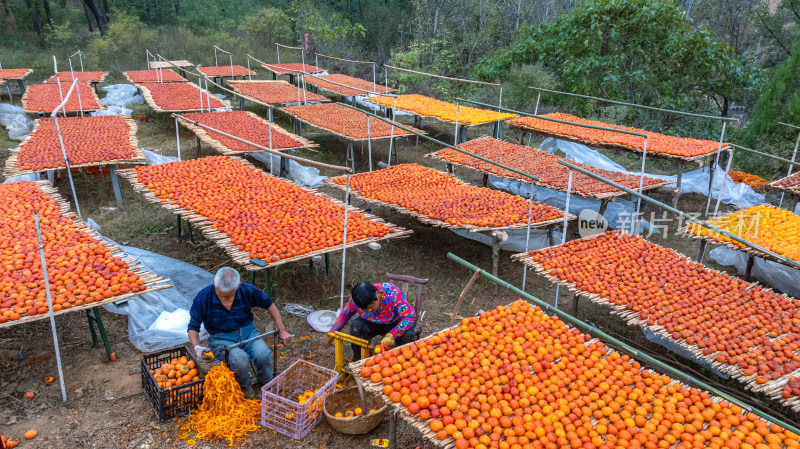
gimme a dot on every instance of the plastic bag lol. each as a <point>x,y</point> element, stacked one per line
<point>308,177</point>
<point>157,159</point>
<point>777,276</point>
<point>737,194</point>
<point>121,95</point>
<point>15,121</point>
<point>159,320</point>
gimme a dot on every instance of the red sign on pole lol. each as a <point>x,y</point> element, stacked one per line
<point>306,44</point>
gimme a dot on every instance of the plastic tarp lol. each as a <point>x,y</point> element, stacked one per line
<point>159,320</point>
<point>737,194</point>
<point>157,159</point>
<point>222,98</point>
<point>778,276</point>
<point>516,239</point>
<point>15,121</point>
<point>308,177</point>
<point>121,95</point>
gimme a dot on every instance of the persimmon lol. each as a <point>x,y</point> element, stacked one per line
<point>79,265</point>
<point>10,74</point>
<point>86,140</point>
<point>538,163</point>
<point>777,230</point>
<point>263,215</point>
<point>656,143</point>
<point>226,70</point>
<point>29,395</point>
<point>46,97</point>
<point>179,97</point>
<point>580,393</point>
<point>431,107</point>
<point>343,120</point>
<point>274,92</point>
<point>154,76</point>
<point>86,77</point>
<point>289,68</point>
<point>728,320</point>
<point>441,197</point>
<point>31,434</point>
<point>790,183</point>
<point>358,86</point>
<point>245,125</point>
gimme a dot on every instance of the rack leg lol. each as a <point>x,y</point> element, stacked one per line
<point>21,86</point>
<point>180,237</point>
<point>498,130</point>
<point>575,299</point>
<point>327,265</point>
<point>94,318</point>
<point>189,231</point>
<point>495,261</point>
<point>603,206</point>
<point>297,127</point>
<point>284,168</point>
<point>485,179</point>
<point>702,254</point>
<point>253,277</point>
<point>241,103</point>
<point>392,429</point>
<point>749,269</point>
<point>198,146</point>
<point>268,287</point>
<point>115,183</point>
<point>269,116</point>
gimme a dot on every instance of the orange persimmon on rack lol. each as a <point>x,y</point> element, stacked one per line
<point>541,164</point>
<point>291,68</point>
<point>83,271</point>
<point>253,215</point>
<point>225,70</point>
<point>14,74</point>
<point>344,121</point>
<point>153,76</point>
<point>242,124</point>
<point>175,97</point>
<point>88,141</point>
<point>790,184</point>
<point>777,230</point>
<point>756,182</point>
<point>45,98</point>
<point>357,86</point>
<point>515,377</point>
<point>87,77</point>
<point>431,107</point>
<point>657,144</point>
<point>273,92</point>
<point>438,198</point>
<point>742,329</point>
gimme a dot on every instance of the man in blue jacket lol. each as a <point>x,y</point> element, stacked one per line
<point>225,308</point>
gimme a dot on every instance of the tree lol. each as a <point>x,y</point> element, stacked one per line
<point>11,23</point>
<point>640,51</point>
<point>779,102</point>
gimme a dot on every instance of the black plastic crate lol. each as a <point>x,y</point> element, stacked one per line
<point>176,401</point>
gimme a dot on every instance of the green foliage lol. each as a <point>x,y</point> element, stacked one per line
<point>62,34</point>
<point>268,25</point>
<point>424,56</point>
<point>641,51</point>
<point>779,102</point>
<point>124,42</point>
<point>519,78</point>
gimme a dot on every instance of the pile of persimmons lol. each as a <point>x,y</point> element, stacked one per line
<point>790,182</point>
<point>226,70</point>
<point>86,140</point>
<point>46,97</point>
<point>175,373</point>
<point>343,120</point>
<point>69,77</point>
<point>291,68</point>
<point>750,330</point>
<point>245,125</point>
<point>267,217</point>
<point>656,143</point>
<point>515,378</point>
<point>181,96</point>
<point>10,74</point>
<point>154,76</point>
<point>441,197</point>
<point>432,107</point>
<point>358,85</point>
<point>777,230</point>
<point>81,269</point>
<point>274,92</point>
<point>538,163</point>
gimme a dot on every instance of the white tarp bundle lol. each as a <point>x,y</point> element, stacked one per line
<point>15,121</point>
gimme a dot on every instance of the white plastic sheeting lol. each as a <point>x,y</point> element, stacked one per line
<point>516,239</point>
<point>308,177</point>
<point>15,121</point>
<point>121,95</point>
<point>160,319</point>
<point>740,195</point>
<point>157,159</point>
<point>777,276</point>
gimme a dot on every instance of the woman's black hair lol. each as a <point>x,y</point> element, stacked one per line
<point>364,294</point>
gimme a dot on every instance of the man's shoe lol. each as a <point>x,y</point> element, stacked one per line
<point>249,392</point>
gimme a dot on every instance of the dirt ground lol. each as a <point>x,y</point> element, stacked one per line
<point>105,405</point>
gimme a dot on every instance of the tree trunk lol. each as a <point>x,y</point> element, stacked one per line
<point>11,23</point>
<point>46,5</point>
<point>302,26</point>
<point>725,106</point>
<point>436,17</point>
<point>98,15</point>
<point>177,8</point>
<point>106,10</point>
<point>37,24</point>
<point>88,19</point>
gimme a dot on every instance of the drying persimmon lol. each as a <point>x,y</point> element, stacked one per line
<point>431,107</point>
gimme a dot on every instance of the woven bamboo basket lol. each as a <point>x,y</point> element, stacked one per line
<point>349,399</point>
